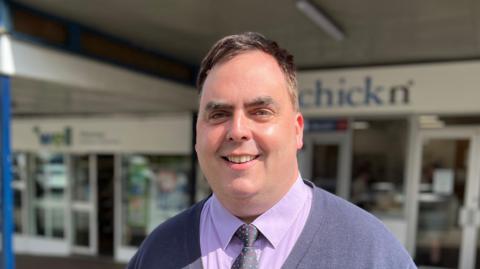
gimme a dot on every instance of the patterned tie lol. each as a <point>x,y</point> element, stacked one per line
<point>247,259</point>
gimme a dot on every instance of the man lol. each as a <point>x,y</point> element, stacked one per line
<point>261,214</point>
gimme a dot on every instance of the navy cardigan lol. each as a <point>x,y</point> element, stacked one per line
<point>337,234</point>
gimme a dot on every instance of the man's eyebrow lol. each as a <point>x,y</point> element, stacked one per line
<point>213,105</point>
<point>261,101</point>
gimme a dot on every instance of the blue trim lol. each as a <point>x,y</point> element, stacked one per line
<point>5,19</point>
<point>7,195</point>
<point>74,37</point>
<point>74,44</point>
<point>40,42</point>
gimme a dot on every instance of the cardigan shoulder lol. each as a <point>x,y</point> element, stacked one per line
<point>339,234</point>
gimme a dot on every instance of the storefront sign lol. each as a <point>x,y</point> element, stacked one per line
<point>440,88</point>
<point>325,125</point>
<point>160,134</point>
<point>55,138</point>
<point>366,93</point>
<point>96,137</point>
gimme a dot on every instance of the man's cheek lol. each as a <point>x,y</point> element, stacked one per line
<point>271,130</point>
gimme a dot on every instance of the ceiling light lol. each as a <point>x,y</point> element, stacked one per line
<point>321,19</point>
<point>428,119</point>
<point>431,121</point>
<point>433,125</point>
<point>360,125</point>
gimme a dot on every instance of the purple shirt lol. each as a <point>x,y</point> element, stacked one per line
<point>280,227</point>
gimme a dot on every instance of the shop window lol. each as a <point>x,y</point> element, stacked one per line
<point>49,194</point>
<point>202,189</point>
<point>154,188</point>
<point>81,229</point>
<point>325,166</point>
<point>19,181</point>
<point>379,149</point>
<point>17,211</point>
<point>442,190</point>
<point>81,189</point>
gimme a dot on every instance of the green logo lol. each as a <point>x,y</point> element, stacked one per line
<point>62,138</point>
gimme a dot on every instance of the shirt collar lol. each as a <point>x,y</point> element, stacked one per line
<point>273,224</point>
<point>225,223</point>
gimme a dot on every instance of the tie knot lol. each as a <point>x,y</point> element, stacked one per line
<point>247,233</point>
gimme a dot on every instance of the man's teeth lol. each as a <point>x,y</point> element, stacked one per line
<point>240,159</point>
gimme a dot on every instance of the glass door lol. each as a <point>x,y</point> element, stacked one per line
<point>447,198</point>
<point>19,186</point>
<point>83,209</point>
<point>326,161</point>
<point>48,211</point>
<point>49,195</point>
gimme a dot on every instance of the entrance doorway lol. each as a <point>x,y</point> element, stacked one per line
<point>83,205</point>
<point>92,204</point>
<point>447,198</point>
<point>105,204</point>
<point>326,161</point>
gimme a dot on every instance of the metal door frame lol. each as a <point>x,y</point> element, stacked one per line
<point>344,141</point>
<point>89,207</point>
<point>471,202</point>
<point>45,244</point>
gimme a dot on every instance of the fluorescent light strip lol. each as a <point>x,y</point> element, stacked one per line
<point>433,125</point>
<point>431,121</point>
<point>320,19</point>
<point>428,118</point>
<point>360,125</point>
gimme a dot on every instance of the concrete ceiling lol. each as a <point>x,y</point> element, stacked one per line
<point>378,31</point>
<point>32,97</point>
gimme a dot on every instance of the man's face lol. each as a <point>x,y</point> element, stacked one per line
<point>248,132</point>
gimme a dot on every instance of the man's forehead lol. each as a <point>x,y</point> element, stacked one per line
<point>253,73</point>
<point>248,62</point>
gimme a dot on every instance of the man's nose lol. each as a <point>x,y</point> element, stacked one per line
<point>239,128</point>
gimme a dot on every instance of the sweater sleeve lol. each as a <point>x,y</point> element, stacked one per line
<point>133,263</point>
<point>173,244</point>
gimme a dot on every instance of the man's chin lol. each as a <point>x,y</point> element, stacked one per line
<point>243,188</point>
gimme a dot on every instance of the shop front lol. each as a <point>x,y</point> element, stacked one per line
<point>98,186</point>
<point>403,143</point>
<point>99,152</point>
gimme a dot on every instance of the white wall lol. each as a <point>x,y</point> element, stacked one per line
<point>23,60</point>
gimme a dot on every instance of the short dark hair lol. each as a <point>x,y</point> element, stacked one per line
<point>231,46</point>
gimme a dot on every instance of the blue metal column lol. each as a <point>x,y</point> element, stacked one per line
<point>6,193</point>
<point>6,176</point>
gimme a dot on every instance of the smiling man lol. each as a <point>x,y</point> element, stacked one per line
<point>262,214</point>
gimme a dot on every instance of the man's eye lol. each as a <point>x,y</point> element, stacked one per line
<point>262,112</point>
<point>217,115</point>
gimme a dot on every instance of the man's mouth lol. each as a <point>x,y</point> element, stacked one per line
<point>240,158</point>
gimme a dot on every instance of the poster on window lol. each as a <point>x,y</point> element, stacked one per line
<point>139,176</point>
<point>168,196</point>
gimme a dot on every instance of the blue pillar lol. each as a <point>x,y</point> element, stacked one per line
<point>6,195</point>
<point>6,176</point>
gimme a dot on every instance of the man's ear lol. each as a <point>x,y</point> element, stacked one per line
<point>299,129</point>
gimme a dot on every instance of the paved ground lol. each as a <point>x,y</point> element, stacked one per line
<point>75,262</point>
